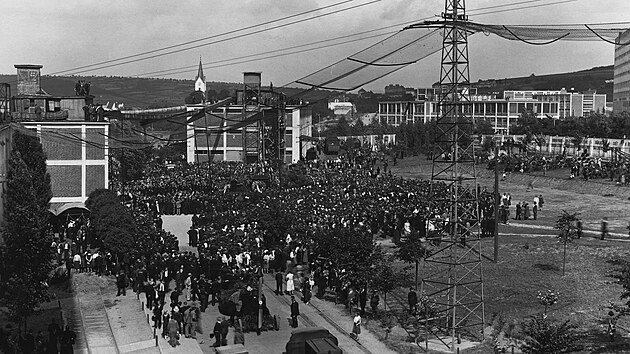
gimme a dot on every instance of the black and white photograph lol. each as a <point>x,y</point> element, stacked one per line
<point>315,177</point>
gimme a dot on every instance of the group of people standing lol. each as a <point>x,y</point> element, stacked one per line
<point>523,209</point>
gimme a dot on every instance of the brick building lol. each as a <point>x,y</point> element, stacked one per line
<point>72,132</point>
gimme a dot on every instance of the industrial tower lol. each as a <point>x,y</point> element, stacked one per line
<point>454,262</point>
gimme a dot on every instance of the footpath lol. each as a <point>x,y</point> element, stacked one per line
<point>111,324</point>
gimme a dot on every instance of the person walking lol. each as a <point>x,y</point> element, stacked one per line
<point>290,284</point>
<point>295,312</point>
<point>216,331</point>
<point>188,323</point>
<point>279,279</point>
<point>188,286</point>
<point>356,326</point>
<point>173,332</point>
<point>374,300</point>
<point>535,211</point>
<point>412,299</point>
<point>121,283</point>
<point>306,291</point>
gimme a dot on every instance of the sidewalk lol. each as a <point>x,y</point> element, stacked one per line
<point>112,324</point>
<point>98,333</point>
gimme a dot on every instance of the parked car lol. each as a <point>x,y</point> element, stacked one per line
<point>297,343</point>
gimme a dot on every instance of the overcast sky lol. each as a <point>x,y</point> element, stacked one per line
<point>66,34</point>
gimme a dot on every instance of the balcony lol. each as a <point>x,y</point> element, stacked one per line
<point>39,117</point>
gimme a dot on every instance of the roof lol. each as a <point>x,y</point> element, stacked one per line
<point>68,207</point>
<point>28,66</point>
<point>200,72</point>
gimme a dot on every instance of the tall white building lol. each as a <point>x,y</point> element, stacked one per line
<point>502,113</point>
<point>621,85</point>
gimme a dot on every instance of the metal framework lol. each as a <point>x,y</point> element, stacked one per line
<point>455,281</point>
<point>251,133</point>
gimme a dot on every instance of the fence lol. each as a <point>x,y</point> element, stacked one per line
<point>559,144</point>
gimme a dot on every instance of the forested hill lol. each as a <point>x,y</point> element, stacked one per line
<point>152,93</point>
<point>599,79</point>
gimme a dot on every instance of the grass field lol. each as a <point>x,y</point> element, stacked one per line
<point>530,259</point>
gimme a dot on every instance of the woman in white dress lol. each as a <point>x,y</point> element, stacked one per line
<point>290,285</point>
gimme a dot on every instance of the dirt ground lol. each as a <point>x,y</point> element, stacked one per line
<point>531,259</point>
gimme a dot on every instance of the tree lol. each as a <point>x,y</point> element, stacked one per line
<point>540,140</point>
<point>113,225</point>
<point>414,248</point>
<point>384,278</point>
<point>26,252</point>
<point>547,298</point>
<point>577,142</point>
<point>544,336</point>
<point>567,225</point>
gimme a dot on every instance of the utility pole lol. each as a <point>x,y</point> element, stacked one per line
<point>455,281</point>
<point>497,202</point>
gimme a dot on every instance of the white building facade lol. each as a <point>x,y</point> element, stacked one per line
<point>502,113</point>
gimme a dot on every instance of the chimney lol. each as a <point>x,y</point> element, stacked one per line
<point>28,79</point>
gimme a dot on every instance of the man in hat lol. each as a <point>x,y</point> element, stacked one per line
<point>122,283</point>
<point>295,312</point>
<point>216,331</point>
<point>279,279</point>
<point>188,285</point>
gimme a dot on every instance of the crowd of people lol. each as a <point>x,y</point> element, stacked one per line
<point>579,166</point>
<point>242,234</point>
<point>243,230</point>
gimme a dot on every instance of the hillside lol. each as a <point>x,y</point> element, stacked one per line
<point>152,93</point>
<point>591,79</point>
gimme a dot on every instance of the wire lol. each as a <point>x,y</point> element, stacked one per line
<point>205,38</point>
<point>532,43</point>
<point>168,71</point>
<point>604,39</point>
<point>227,39</point>
<point>285,54</point>
<point>172,70</point>
<point>526,7</point>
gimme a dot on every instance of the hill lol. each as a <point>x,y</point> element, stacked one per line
<point>154,93</point>
<point>598,78</point>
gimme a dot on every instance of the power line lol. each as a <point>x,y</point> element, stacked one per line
<point>276,50</point>
<point>204,38</point>
<point>278,55</point>
<point>179,70</point>
<point>226,39</point>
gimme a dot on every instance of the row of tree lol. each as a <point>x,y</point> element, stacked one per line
<point>127,236</point>
<point>25,249</point>
<point>420,136</point>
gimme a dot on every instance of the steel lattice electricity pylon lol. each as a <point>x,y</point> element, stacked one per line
<point>454,265</point>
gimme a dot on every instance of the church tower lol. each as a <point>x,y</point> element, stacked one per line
<point>200,80</point>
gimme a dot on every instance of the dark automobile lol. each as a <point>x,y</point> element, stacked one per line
<point>299,337</point>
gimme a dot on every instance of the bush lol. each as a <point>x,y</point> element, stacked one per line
<point>544,336</point>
